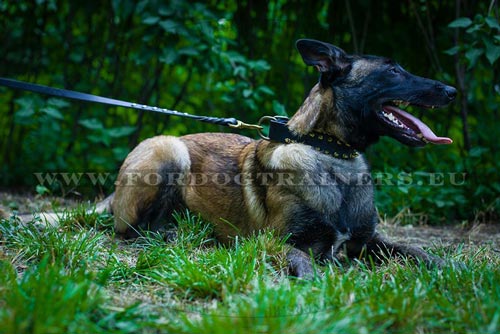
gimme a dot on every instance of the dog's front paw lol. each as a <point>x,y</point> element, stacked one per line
<point>169,235</point>
<point>300,264</point>
<point>440,263</point>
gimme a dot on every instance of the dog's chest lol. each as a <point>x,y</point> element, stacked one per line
<point>327,184</point>
<point>325,197</point>
<point>344,197</point>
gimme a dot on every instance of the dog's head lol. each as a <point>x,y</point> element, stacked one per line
<point>358,98</point>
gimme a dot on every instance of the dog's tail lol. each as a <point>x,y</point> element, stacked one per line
<point>52,218</point>
<point>104,205</point>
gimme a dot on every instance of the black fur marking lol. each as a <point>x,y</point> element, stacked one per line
<point>158,214</point>
<point>310,231</point>
<point>379,248</point>
<point>259,186</point>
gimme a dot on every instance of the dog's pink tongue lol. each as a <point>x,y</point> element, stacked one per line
<point>421,126</point>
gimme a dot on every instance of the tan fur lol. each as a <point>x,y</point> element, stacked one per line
<point>235,209</point>
<point>133,186</point>
<point>213,156</point>
<point>318,114</point>
<point>362,66</point>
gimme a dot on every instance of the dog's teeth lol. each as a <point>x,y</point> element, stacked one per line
<point>393,119</point>
<point>405,104</point>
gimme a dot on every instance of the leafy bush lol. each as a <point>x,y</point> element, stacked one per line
<point>475,162</point>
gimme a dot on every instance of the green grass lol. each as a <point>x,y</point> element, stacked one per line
<point>79,278</point>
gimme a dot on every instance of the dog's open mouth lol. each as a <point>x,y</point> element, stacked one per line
<point>407,126</point>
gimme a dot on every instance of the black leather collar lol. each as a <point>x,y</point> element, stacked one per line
<point>279,132</point>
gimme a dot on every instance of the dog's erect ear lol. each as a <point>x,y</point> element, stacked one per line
<point>325,57</point>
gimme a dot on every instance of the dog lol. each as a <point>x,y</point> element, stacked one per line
<point>243,191</point>
<point>322,202</point>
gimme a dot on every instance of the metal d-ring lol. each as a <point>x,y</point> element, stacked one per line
<point>261,121</point>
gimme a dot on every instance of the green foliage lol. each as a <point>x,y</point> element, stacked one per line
<point>192,232</point>
<point>177,54</point>
<point>482,38</point>
<point>52,302</point>
<point>35,242</point>
<point>469,187</point>
<point>195,286</point>
<point>237,59</point>
<point>421,196</point>
<point>188,266</point>
<point>46,299</point>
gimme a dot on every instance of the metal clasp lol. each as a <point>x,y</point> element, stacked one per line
<point>259,126</point>
<point>242,125</point>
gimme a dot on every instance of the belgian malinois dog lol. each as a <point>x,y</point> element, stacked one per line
<point>321,201</point>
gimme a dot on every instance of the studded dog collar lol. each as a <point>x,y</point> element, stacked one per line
<point>279,132</point>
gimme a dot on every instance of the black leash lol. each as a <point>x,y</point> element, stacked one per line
<point>278,130</point>
<point>69,94</point>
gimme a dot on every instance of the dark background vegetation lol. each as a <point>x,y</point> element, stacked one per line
<point>237,59</point>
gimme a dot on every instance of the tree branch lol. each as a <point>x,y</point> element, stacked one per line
<point>353,28</point>
<point>460,73</point>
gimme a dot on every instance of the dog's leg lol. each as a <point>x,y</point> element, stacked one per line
<point>300,264</point>
<point>381,248</point>
<point>312,237</point>
<point>147,190</point>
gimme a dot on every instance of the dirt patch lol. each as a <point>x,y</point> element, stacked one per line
<point>26,203</point>
<point>428,236</point>
<point>445,236</point>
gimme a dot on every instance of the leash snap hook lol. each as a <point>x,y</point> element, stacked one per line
<point>242,125</point>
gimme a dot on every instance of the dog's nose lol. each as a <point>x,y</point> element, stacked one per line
<point>450,92</point>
